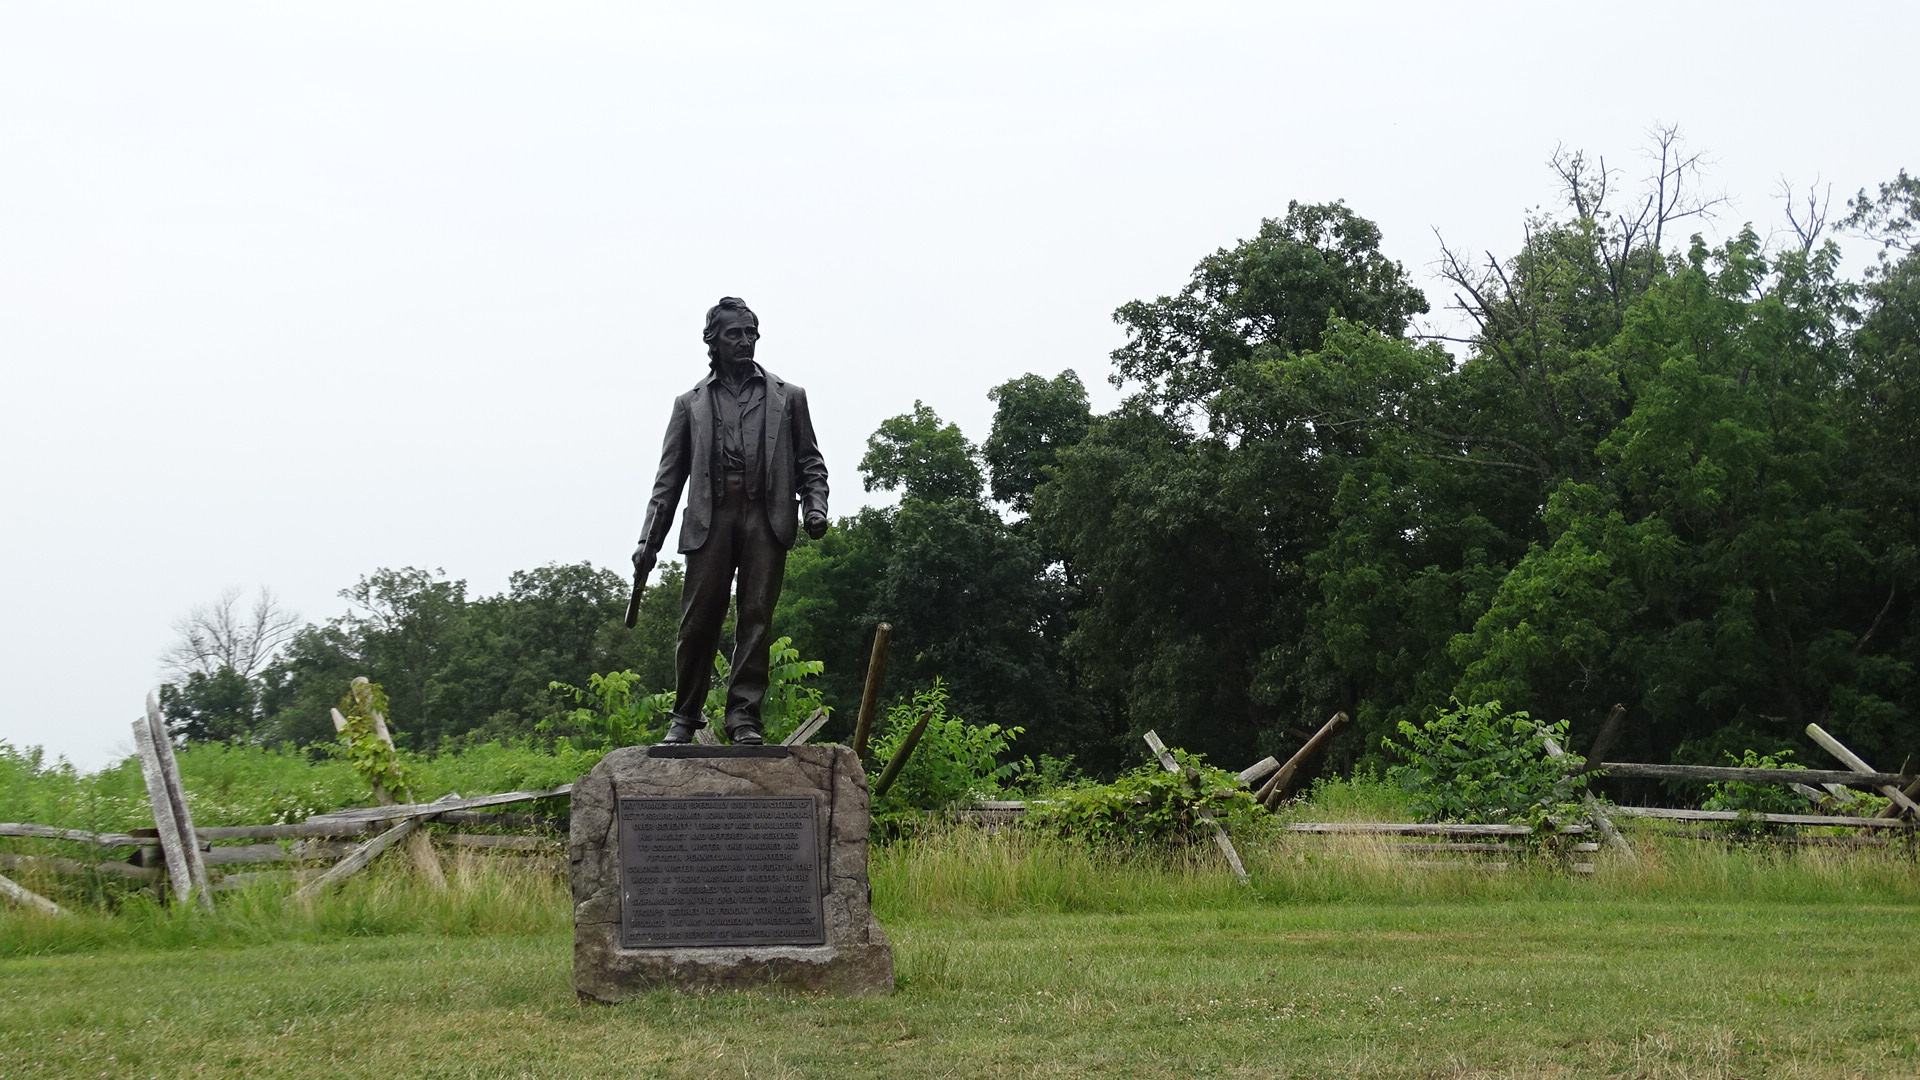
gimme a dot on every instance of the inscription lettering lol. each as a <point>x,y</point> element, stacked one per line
<point>719,871</point>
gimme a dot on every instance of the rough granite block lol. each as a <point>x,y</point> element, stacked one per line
<point>855,959</point>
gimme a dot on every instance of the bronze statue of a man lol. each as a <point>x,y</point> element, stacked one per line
<point>744,439</point>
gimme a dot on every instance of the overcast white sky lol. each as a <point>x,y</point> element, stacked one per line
<point>289,292</point>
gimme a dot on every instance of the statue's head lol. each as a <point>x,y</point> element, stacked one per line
<point>732,330</point>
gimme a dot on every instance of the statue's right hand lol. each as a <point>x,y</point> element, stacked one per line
<point>643,561</point>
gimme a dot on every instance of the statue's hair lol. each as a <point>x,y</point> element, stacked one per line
<point>726,304</point>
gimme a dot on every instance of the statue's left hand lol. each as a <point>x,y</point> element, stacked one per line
<point>816,525</point>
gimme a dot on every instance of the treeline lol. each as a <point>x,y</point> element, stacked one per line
<point>1686,479</point>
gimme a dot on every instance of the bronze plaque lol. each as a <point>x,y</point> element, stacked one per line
<point>720,871</point>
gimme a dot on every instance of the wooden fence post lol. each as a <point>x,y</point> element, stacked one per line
<point>179,845</point>
<point>1220,838</point>
<point>419,841</point>
<point>1608,833</point>
<point>1282,783</point>
<point>870,693</point>
<point>900,756</point>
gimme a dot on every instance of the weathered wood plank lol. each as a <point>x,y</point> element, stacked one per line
<point>357,861</point>
<point>505,843</point>
<point>49,832</point>
<point>182,811</point>
<point>501,820</point>
<point>1258,770</point>
<point>1220,838</point>
<point>174,844</point>
<point>870,690</point>
<point>1286,778</point>
<point>1723,773</point>
<point>1668,813</point>
<point>301,831</point>
<point>1891,789</point>
<point>807,730</point>
<point>267,853</point>
<point>47,864</point>
<point>26,897</point>
<point>1404,828</point>
<point>410,810</point>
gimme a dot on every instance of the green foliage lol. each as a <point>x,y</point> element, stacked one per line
<point>929,459</point>
<point>216,707</point>
<point>1747,798</point>
<point>370,755</point>
<point>1320,263</point>
<point>1033,420</point>
<point>1476,763</point>
<point>609,713</point>
<point>792,692</point>
<point>953,760</point>
<point>1364,796</point>
<point>1152,807</point>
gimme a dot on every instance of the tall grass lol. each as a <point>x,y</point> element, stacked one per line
<point>485,895</point>
<point>961,870</point>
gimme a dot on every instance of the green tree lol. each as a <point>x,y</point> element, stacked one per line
<point>221,707</point>
<point>924,458</point>
<point>1280,288</point>
<point>1033,420</point>
<point>1709,574</point>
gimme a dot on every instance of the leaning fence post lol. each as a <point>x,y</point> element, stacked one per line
<point>1600,820</point>
<point>1853,761</point>
<point>178,843</point>
<point>1281,784</point>
<point>1220,838</point>
<point>419,842</point>
<point>870,693</point>
<point>901,755</point>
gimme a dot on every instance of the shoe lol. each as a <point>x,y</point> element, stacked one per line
<point>679,733</point>
<point>746,736</point>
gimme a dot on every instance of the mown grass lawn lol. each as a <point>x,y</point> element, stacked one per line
<point>1450,988</point>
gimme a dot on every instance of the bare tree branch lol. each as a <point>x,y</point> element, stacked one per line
<point>223,634</point>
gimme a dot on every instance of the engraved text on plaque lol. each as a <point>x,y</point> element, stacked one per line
<point>719,871</point>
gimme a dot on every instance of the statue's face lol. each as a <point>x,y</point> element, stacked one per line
<point>739,331</point>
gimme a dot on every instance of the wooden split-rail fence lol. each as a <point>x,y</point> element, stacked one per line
<point>1442,843</point>
<point>193,863</point>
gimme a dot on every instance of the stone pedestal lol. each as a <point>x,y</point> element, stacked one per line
<point>696,867</point>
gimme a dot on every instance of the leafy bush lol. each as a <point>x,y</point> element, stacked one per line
<point>1750,800</point>
<point>610,713</point>
<point>954,760</point>
<point>1473,763</point>
<point>1152,807</point>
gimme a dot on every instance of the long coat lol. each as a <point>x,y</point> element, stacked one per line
<point>796,474</point>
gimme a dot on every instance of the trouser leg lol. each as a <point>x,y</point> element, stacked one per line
<point>763,567</point>
<point>703,612</point>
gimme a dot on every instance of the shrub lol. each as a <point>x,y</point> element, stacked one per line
<point>1152,807</point>
<point>954,759</point>
<point>1473,763</point>
<point>610,712</point>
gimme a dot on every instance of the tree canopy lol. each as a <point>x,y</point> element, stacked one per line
<point>1684,477</point>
